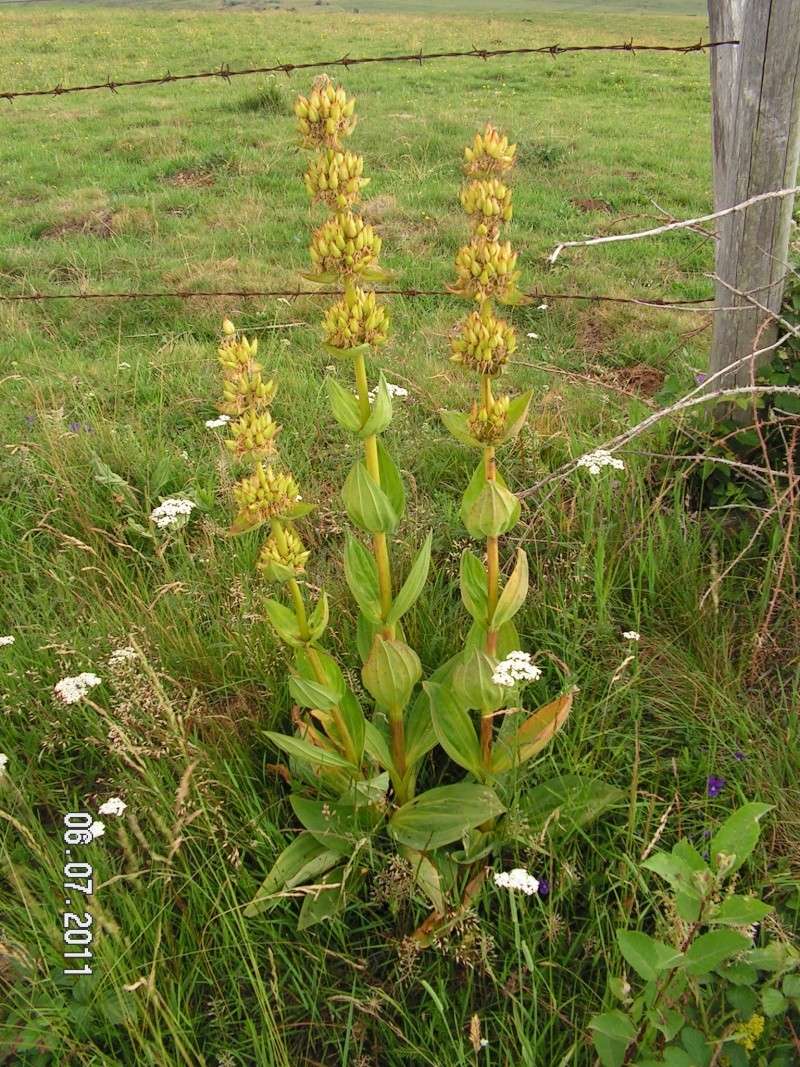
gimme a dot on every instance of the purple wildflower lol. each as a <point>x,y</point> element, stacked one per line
<point>544,887</point>
<point>74,427</point>
<point>714,785</point>
<point>31,420</point>
<point>739,756</point>
<point>706,835</point>
<point>700,378</point>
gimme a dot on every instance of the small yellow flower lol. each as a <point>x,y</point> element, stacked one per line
<point>246,390</point>
<point>263,495</point>
<point>484,343</point>
<point>292,555</point>
<point>488,204</point>
<point>485,269</point>
<point>326,115</point>
<point>237,353</point>
<point>488,425</point>
<point>489,154</point>
<point>335,179</point>
<point>253,434</point>
<point>345,244</point>
<point>355,320</point>
<point>750,1032</point>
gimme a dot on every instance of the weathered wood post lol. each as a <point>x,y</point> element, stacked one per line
<point>755,93</point>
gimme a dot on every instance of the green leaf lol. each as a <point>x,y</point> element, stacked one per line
<point>578,801</point>
<point>773,957</point>
<point>739,911</point>
<point>346,353</point>
<point>323,904</point>
<point>365,635</point>
<point>391,672</point>
<point>791,986</point>
<point>377,747</point>
<point>305,858</point>
<point>613,1032</point>
<point>368,506</point>
<point>318,619</point>
<point>310,694</point>
<point>284,622</point>
<point>426,876</point>
<point>696,1045</point>
<point>458,425</point>
<point>472,682</point>
<point>675,870</point>
<point>338,825</point>
<point>442,815</point>
<point>647,956</point>
<point>473,581</point>
<point>381,414</point>
<point>361,573</point>
<point>532,735</point>
<point>308,753</point>
<point>354,722</point>
<point>276,572</point>
<point>712,949</point>
<point>454,729</point>
<point>494,512</point>
<point>739,834</point>
<point>738,974</point>
<point>334,679</point>
<point>773,1002</point>
<point>344,406</point>
<point>391,482</point>
<point>517,414</point>
<point>414,583</point>
<point>514,592</point>
<point>420,735</point>
<point>507,638</point>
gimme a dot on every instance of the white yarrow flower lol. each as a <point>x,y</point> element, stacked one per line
<point>535,336</point>
<point>516,668</point>
<point>631,635</point>
<point>214,424</point>
<point>71,690</point>
<point>9,639</point>
<point>113,806</point>
<point>3,763</point>
<point>518,879</point>
<point>172,512</point>
<point>121,656</point>
<point>601,457</point>
<point>391,389</point>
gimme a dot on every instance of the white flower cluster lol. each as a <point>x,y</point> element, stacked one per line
<point>515,668</point>
<point>214,424</point>
<point>3,763</point>
<point>631,635</point>
<point>71,690</point>
<point>595,461</point>
<point>8,640</point>
<point>517,879</point>
<point>391,389</point>
<point>113,806</point>
<point>120,656</point>
<point>171,512</point>
<point>97,829</point>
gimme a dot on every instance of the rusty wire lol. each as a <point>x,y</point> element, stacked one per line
<point>225,72</point>
<point>293,294</point>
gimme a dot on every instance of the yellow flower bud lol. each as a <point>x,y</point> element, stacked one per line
<point>292,554</point>
<point>344,245</point>
<point>253,435</point>
<point>488,203</point>
<point>489,155</point>
<point>484,269</point>
<point>356,319</point>
<point>488,424</point>
<point>484,342</point>
<point>326,116</point>
<point>264,494</point>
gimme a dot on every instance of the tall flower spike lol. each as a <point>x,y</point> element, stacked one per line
<point>356,319</point>
<point>344,245</point>
<point>253,434</point>
<point>282,561</point>
<point>326,115</point>
<point>484,342</point>
<point>486,269</point>
<point>488,204</point>
<point>335,179</point>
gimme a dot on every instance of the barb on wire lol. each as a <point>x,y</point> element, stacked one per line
<point>347,61</point>
<point>697,305</point>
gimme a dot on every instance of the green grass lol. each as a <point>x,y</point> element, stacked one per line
<point>197,185</point>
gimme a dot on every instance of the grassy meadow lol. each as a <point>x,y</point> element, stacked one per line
<point>198,186</point>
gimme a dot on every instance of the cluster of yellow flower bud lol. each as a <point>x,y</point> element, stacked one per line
<point>489,154</point>
<point>484,342</point>
<point>750,1032</point>
<point>488,424</point>
<point>488,204</point>
<point>247,390</point>
<point>325,115</point>
<point>356,319</point>
<point>335,179</point>
<point>292,554</point>
<point>344,244</point>
<point>253,434</point>
<point>236,353</point>
<point>265,494</point>
<point>485,269</point>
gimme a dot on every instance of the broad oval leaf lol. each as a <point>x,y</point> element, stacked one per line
<point>284,622</point>
<point>309,693</point>
<point>739,834</point>
<point>366,503</point>
<point>458,425</point>
<point>494,512</point>
<point>739,911</point>
<point>391,482</point>
<point>454,729</point>
<point>361,574</point>
<point>381,412</point>
<point>532,736</point>
<point>391,672</point>
<point>308,753</point>
<point>577,800</point>
<point>305,858</point>
<point>712,949</point>
<point>647,956</point>
<point>442,815</point>
<point>514,593</point>
<point>344,406</point>
<point>473,583</point>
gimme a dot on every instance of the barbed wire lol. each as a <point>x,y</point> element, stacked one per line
<point>294,294</point>
<point>225,72</point>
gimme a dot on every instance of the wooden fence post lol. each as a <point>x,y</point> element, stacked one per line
<point>755,92</point>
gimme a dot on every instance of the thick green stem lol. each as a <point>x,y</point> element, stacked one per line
<point>380,547</point>
<point>397,739</point>
<point>492,575</point>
